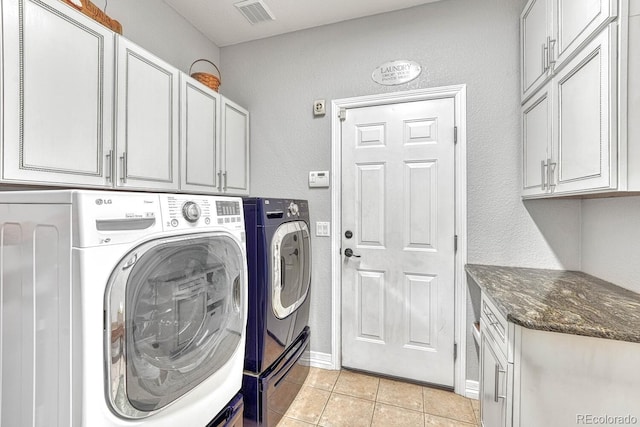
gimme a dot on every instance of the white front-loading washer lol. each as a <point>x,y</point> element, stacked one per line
<point>120,309</point>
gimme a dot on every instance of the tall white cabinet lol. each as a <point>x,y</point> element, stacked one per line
<point>577,103</point>
<point>58,74</point>
<point>83,107</point>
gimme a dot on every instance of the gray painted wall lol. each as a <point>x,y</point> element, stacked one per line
<point>474,42</point>
<point>156,27</point>
<point>611,240</point>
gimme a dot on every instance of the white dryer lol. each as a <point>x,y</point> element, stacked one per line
<point>120,309</point>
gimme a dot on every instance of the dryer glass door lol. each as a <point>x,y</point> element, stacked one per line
<point>291,267</point>
<point>176,315</point>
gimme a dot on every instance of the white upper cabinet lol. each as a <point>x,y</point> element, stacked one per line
<point>552,31</point>
<point>199,137</point>
<point>83,107</point>
<point>536,141</point>
<point>147,120</point>
<point>235,148</point>
<point>580,127</point>
<point>214,141</point>
<point>574,23</point>
<point>585,144</point>
<point>569,126</point>
<point>57,78</point>
<point>535,27</point>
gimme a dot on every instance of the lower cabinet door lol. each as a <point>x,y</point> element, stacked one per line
<point>493,384</point>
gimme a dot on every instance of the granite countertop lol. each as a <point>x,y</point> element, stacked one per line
<point>569,302</point>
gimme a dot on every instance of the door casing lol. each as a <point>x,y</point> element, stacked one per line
<point>458,93</point>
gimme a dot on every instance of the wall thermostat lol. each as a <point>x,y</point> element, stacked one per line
<point>319,179</point>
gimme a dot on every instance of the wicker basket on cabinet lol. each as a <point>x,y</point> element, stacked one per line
<point>93,12</point>
<point>210,80</point>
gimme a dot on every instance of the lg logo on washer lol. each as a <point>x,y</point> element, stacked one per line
<point>103,202</point>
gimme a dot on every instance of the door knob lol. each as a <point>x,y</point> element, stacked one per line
<point>349,253</point>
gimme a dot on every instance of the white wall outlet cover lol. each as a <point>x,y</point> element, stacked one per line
<point>319,107</point>
<point>322,229</point>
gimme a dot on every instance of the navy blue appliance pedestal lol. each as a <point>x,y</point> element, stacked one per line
<point>269,394</point>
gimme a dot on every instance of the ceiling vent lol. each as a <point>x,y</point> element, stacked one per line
<point>255,11</point>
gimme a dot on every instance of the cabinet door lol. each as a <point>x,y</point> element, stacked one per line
<point>493,384</point>
<point>235,148</point>
<point>199,137</point>
<point>58,95</point>
<point>147,120</point>
<point>535,28</point>
<point>576,21</point>
<point>536,143</point>
<point>584,149</point>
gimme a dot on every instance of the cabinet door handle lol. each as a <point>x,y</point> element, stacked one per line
<point>552,175</point>
<point>219,180</point>
<point>224,187</point>
<point>545,57</point>
<point>544,174</point>
<point>109,171</point>
<point>496,390</point>
<point>552,44</point>
<point>123,167</point>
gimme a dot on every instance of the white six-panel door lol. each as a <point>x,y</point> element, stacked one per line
<point>398,204</point>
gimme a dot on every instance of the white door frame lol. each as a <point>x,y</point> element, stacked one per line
<point>459,93</point>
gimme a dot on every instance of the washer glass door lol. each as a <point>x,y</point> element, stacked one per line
<point>175,310</point>
<point>291,267</point>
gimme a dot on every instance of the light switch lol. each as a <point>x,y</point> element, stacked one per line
<point>322,229</point>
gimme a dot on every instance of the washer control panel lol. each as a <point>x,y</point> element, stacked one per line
<point>228,211</point>
<point>192,211</point>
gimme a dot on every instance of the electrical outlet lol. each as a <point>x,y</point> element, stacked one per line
<point>318,107</point>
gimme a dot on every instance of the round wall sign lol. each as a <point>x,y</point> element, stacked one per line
<point>396,72</point>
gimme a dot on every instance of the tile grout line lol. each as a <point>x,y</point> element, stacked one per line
<point>324,408</point>
<point>375,403</point>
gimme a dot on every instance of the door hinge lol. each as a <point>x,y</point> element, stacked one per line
<point>455,351</point>
<point>455,134</point>
<point>455,243</point>
<point>342,115</point>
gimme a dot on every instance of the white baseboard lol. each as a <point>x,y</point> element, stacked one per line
<point>318,360</point>
<point>472,389</point>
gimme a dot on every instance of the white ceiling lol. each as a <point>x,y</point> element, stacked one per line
<point>224,25</point>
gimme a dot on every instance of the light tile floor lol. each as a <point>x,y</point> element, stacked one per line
<point>351,399</point>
